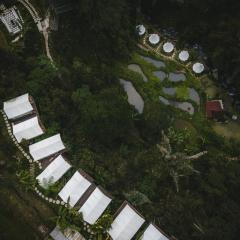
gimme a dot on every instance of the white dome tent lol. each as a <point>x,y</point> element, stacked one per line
<point>140,30</point>
<point>154,38</point>
<point>168,47</point>
<point>198,68</point>
<point>184,56</point>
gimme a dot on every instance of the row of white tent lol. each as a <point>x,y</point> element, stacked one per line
<point>22,112</point>
<point>168,48</point>
<point>80,190</point>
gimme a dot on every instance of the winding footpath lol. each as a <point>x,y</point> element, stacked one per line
<point>42,25</point>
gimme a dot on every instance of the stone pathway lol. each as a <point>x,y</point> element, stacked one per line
<point>32,164</point>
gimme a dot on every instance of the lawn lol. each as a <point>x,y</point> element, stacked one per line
<point>23,210</point>
<point>228,130</point>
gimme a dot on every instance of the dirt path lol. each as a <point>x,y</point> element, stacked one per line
<point>42,25</point>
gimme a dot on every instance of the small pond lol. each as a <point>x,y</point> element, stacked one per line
<point>176,77</point>
<point>160,75</point>
<point>137,68</point>
<point>134,98</point>
<point>170,91</point>
<point>185,106</point>
<point>156,63</point>
<point>194,96</point>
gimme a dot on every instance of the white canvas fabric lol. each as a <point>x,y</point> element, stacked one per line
<point>126,224</point>
<point>27,129</point>
<point>46,147</point>
<point>18,106</point>
<point>183,55</point>
<point>198,67</point>
<point>95,205</point>
<point>54,171</point>
<point>141,30</point>
<point>152,233</point>
<point>74,189</point>
<point>168,47</point>
<point>154,38</point>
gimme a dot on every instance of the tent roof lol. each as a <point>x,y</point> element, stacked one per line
<point>46,147</point>
<point>198,67</point>
<point>94,206</point>
<point>153,233</point>
<point>168,47</point>
<point>27,129</point>
<point>141,29</point>
<point>126,224</point>
<point>183,55</point>
<point>75,188</point>
<point>154,38</point>
<point>18,106</point>
<point>54,171</point>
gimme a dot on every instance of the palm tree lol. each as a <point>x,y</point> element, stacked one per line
<point>178,164</point>
<point>68,218</point>
<point>102,225</point>
<point>26,179</point>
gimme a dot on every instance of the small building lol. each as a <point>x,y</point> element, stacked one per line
<point>154,38</point>
<point>12,20</point>
<point>75,188</point>
<point>46,147</point>
<point>126,223</point>
<point>214,109</point>
<point>27,129</point>
<point>153,233</point>
<point>54,171</point>
<point>19,106</point>
<point>67,234</point>
<point>95,205</point>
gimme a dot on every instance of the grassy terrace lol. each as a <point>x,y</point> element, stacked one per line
<point>19,208</point>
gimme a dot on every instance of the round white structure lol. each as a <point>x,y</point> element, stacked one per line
<point>140,29</point>
<point>198,67</point>
<point>154,38</point>
<point>168,47</point>
<point>184,55</point>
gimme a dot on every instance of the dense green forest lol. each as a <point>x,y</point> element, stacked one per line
<point>82,99</point>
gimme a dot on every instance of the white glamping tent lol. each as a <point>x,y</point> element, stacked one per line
<point>184,55</point>
<point>154,38</point>
<point>27,129</point>
<point>54,171</point>
<point>46,147</point>
<point>126,224</point>
<point>95,205</point>
<point>198,67</point>
<point>18,107</point>
<point>75,188</point>
<point>168,47</point>
<point>153,233</point>
<point>140,29</point>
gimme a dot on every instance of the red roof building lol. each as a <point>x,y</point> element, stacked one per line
<point>214,108</point>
